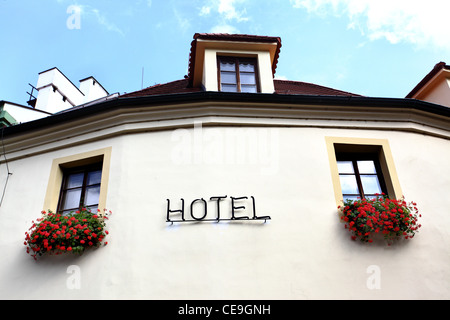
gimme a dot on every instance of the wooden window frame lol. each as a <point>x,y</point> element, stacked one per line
<point>354,157</point>
<point>378,147</point>
<point>80,169</point>
<point>237,61</point>
<point>59,165</point>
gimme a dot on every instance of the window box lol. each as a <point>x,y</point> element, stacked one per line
<point>391,218</point>
<point>75,232</point>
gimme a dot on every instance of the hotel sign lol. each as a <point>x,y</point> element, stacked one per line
<point>198,211</point>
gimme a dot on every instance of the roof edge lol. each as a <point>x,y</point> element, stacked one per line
<point>206,96</point>
<point>436,69</point>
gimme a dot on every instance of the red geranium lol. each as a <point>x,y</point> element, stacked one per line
<point>57,233</point>
<point>389,217</point>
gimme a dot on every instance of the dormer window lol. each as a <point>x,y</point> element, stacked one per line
<point>233,63</point>
<point>237,74</point>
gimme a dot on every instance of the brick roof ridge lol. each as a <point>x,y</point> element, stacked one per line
<point>242,36</point>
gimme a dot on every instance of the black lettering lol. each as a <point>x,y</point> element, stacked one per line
<point>205,207</point>
<point>254,211</point>
<point>233,208</point>
<point>170,211</point>
<point>218,204</point>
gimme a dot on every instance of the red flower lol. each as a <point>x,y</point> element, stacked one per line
<point>394,218</point>
<point>65,233</point>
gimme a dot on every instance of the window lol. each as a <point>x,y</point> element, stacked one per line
<point>80,188</point>
<point>359,175</point>
<point>79,180</point>
<point>361,167</point>
<point>237,74</point>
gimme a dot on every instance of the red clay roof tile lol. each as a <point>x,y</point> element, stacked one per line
<point>281,87</point>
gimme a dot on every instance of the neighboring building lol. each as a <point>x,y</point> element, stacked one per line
<point>13,113</point>
<point>55,93</point>
<point>435,86</point>
<point>231,139</point>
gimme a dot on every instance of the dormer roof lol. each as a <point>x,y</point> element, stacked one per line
<point>227,41</point>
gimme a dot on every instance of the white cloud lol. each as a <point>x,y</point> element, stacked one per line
<point>205,10</point>
<point>102,20</point>
<point>227,8</point>
<point>418,22</point>
<point>228,12</point>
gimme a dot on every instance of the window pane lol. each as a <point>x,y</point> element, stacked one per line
<point>370,184</point>
<point>91,196</point>
<point>247,67</point>
<point>349,184</point>
<point>227,66</point>
<point>228,77</point>
<point>247,88</point>
<point>94,177</point>
<point>74,180</point>
<point>229,88</point>
<point>345,167</point>
<point>247,78</point>
<point>65,213</point>
<point>71,199</point>
<point>366,166</point>
<point>355,198</point>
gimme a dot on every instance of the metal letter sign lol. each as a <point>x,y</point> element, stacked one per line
<point>201,215</point>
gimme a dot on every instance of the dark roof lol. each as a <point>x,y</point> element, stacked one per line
<point>438,67</point>
<point>173,87</point>
<point>305,88</point>
<point>360,102</point>
<point>281,87</point>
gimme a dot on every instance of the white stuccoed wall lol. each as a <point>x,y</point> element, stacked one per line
<point>304,252</point>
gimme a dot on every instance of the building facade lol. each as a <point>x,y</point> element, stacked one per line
<point>226,185</point>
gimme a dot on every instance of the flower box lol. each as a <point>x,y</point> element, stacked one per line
<point>381,215</point>
<point>55,233</point>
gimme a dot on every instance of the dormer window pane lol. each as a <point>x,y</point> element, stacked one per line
<point>229,88</point>
<point>247,67</point>
<point>247,78</point>
<point>237,74</point>
<point>227,66</point>
<point>228,77</point>
<point>249,88</point>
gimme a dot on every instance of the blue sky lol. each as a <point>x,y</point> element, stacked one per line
<point>376,48</point>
